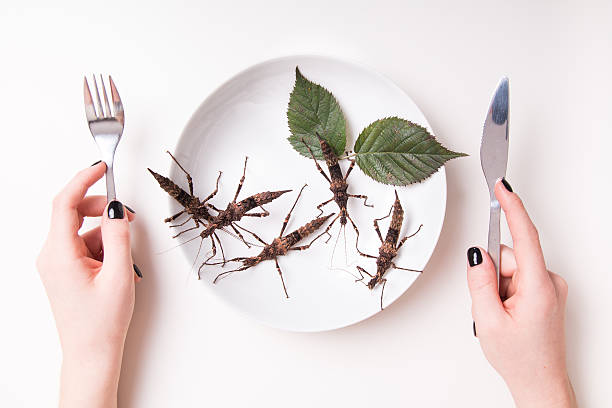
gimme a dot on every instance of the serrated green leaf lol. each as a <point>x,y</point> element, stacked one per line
<point>313,109</point>
<point>396,151</point>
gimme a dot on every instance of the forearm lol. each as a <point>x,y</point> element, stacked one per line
<point>90,380</point>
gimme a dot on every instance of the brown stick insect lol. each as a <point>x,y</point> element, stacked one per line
<point>338,186</point>
<point>388,250</point>
<point>280,245</point>
<point>234,212</point>
<point>196,209</point>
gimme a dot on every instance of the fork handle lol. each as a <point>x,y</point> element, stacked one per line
<point>494,236</point>
<point>110,183</point>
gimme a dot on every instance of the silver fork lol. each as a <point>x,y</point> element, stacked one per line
<point>106,126</point>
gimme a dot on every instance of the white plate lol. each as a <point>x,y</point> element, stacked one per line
<point>246,116</point>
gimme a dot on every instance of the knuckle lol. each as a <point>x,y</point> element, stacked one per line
<point>561,285</point>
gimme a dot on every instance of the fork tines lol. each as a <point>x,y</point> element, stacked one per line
<point>96,111</point>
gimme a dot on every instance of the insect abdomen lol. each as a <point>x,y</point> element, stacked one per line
<point>172,189</point>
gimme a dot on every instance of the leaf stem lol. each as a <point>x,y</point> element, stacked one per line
<point>348,156</point>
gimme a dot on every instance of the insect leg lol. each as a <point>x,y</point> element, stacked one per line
<point>181,224</point>
<point>365,199</point>
<point>291,210</point>
<point>237,259</point>
<point>320,206</point>
<point>241,180</point>
<point>213,207</point>
<point>240,235</point>
<point>188,229</point>
<point>356,232</point>
<point>382,292</point>
<point>214,252</point>
<point>409,236</point>
<point>361,272</point>
<point>316,162</point>
<point>393,265</point>
<point>281,276</point>
<point>348,171</point>
<point>376,224</point>
<point>265,213</point>
<point>174,217</point>
<point>211,195</point>
<point>224,274</point>
<point>251,232</point>
<point>326,230</point>
<point>189,179</point>
<point>220,247</point>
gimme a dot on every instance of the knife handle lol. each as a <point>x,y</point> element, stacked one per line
<point>494,236</point>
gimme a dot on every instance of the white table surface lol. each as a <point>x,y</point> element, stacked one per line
<point>185,348</point>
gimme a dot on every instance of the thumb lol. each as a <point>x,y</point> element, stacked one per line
<point>482,282</point>
<point>116,242</point>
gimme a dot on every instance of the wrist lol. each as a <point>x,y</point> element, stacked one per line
<point>553,392</point>
<point>90,379</point>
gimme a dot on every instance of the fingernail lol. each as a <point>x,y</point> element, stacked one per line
<point>138,273</point>
<point>115,210</point>
<point>99,161</point>
<point>474,256</point>
<point>473,326</point>
<point>129,209</point>
<point>506,184</point>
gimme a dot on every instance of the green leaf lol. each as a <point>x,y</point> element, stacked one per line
<point>313,109</point>
<point>396,151</point>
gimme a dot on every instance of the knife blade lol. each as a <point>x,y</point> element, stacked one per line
<point>494,160</point>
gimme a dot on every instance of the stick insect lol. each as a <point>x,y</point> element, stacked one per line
<point>197,210</point>
<point>280,245</point>
<point>388,250</point>
<point>234,212</point>
<point>338,186</point>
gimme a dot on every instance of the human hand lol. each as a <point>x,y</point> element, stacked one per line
<point>89,279</point>
<point>522,334</point>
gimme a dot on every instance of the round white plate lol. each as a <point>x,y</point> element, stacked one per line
<point>246,116</point>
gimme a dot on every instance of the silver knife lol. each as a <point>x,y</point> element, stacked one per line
<point>494,159</point>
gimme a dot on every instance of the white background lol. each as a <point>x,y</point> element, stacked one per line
<point>185,348</point>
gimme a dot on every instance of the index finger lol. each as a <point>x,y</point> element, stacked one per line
<point>526,242</point>
<point>65,219</point>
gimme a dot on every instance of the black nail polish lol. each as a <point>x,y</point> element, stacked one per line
<point>115,210</point>
<point>474,256</point>
<point>474,328</point>
<point>137,270</point>
<point>99,161</point>
<point>129,209</point>
<point>506,184</point>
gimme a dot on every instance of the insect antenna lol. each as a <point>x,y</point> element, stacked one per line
<point>331,260</point>
<point>176,246</point>
<point>197,254</point>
